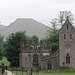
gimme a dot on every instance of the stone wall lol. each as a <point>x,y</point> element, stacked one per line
<point>67,44</point>
<point>52,59</point>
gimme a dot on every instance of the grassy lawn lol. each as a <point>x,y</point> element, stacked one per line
<point>2,74</point>
<point>41,73</point>
<point>56,73</point>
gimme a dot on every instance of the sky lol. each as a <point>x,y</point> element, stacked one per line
<point>40,10</point>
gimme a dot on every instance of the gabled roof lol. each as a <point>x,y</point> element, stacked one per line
<point>66,22</point>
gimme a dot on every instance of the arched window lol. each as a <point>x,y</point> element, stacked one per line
<point>67,59</point>
<point>70,36</point>
<point>49,66</point>
<point>67,26</point>
<point>64,36</point>
<point>35,58</point>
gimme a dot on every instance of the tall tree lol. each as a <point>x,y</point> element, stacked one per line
<point>35,40</point>
<point>52,35</point>
<point>1,47</point>
<point>12,47</point>
<point>63,15</point>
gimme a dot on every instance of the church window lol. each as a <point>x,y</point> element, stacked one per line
<point>70,36</point>
<point>67,59</point>
<point>35,58</point>
<point>49,66</point>
<point>67,26</point>
<point>64,36</point>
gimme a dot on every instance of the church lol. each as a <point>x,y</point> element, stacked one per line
<point>40,56</point>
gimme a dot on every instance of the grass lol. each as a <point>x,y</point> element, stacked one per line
<point>41,73</point>
<point>2,74</point>
<point>57,74</point>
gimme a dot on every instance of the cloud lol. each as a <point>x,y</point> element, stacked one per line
<point>41,10</point>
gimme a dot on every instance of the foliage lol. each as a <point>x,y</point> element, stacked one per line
<point>4,61</point>
<point>63,15</point>
<point>12,47</point>
<point>52,36</point>
<point>35,40</point>
<point>1,47</point>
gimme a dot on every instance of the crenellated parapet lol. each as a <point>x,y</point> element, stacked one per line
<point>35,48</point>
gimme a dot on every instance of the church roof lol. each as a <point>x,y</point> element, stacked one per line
<point>66,22</point>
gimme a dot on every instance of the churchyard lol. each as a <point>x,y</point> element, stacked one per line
<point>41,73</point>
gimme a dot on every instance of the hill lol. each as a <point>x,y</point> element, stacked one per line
<point>2,27</point>
<point>31,27</point>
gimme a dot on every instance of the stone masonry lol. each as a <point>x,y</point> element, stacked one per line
<point>67,45</point>
<point>40,56</point>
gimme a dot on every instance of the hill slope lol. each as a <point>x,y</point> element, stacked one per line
<point>31,27</point>
<point>2,27</point>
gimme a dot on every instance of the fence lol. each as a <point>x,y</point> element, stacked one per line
<point>16,71</point>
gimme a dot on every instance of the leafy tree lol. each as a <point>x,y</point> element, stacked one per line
<point>12,47</point>
<point>1,47</point>
<point>35,40</point>
<point>52,35</point>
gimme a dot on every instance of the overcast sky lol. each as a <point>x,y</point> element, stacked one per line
<point>40,10</point>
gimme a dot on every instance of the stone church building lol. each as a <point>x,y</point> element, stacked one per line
<point>41,56</point>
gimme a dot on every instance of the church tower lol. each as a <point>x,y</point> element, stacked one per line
<point>67,45</point>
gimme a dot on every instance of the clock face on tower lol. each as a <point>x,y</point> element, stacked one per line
<point>67,46</point>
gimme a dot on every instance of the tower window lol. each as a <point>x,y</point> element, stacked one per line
<point>67,26</point>
<point>70,36</point>
<point>67,59</point>
<point>64,36</point>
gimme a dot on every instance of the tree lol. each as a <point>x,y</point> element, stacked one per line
<point>52,35</point>
<point>35,40</point>
<point>63,15</point>
<point>1,47</point>
<point>56,23</point>
<point>12,47</point>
